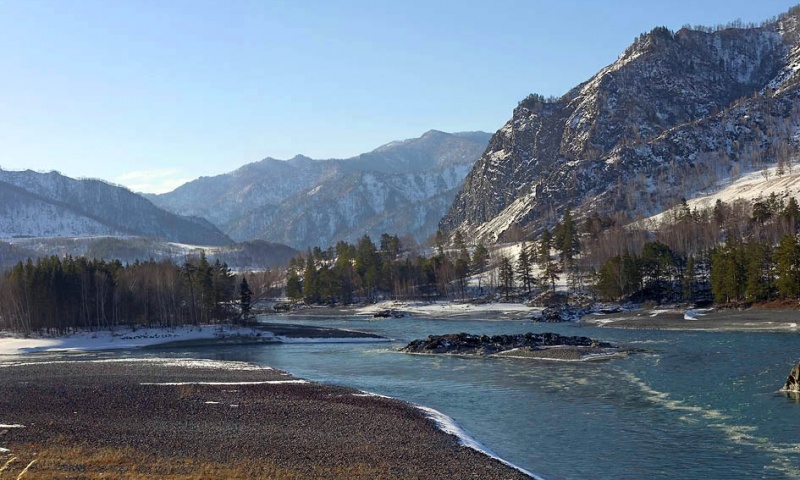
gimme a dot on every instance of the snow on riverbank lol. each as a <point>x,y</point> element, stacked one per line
<point>448,425</point>
<point>120,338</point>
<point>126,338</point>
<point>450,309</point>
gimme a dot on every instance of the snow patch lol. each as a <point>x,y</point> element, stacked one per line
<point>449,426</point>
<point>265,382</point>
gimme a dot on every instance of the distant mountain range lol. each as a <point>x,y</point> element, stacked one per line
<point>402,188</point>
<point>677,114</point>
<point>51,205</point>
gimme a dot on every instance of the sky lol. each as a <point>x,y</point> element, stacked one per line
<point>153,93</point>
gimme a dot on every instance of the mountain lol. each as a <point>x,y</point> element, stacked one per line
<point>403,187</point>
<point>51,205</point>
<point>676,114</point>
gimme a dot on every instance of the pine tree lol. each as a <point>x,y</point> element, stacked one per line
<point>758,260</point>
<point>787,263</point>
<point>294,288</point>
<point>687,280</point>
<point>791,213</point>
<point>506,276</point>
<point>311,292</point>
<point>245,296</point>
<point>480,258</point>
<point>524,267</point>
<point>566,238</point>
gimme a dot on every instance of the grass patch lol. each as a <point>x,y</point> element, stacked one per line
<point>82,462</point>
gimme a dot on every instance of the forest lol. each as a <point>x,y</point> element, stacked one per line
<point>59,295</point>
<point>732,253</point>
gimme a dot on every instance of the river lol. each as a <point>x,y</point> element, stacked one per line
<point>693,405</point>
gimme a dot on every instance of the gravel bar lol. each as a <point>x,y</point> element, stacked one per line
<point>203,417</point>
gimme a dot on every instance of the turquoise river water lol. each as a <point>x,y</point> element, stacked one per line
<point>695,405</point>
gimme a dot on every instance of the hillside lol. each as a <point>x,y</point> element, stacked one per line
<point>676,114</point>
<point>403,187</point>
<point>51,205</point>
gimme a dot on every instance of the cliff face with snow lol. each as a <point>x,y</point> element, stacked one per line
<point>402,188</point>
<point>675,114</point>
<point>52,205</point>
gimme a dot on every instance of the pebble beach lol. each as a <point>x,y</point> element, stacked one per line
<point>183,419</point>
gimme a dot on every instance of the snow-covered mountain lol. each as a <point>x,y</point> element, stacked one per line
<point>677,113</point>
<point>51,205</point>
<point>403,188</point>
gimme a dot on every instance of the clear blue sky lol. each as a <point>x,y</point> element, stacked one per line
<point>149,93</point>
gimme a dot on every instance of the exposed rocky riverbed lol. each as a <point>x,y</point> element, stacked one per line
<point>187,419</point>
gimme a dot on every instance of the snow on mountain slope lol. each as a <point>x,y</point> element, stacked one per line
<point>677,113</point>
<point>750,187</point>
<point>52,205</point>
<point>403,187</point>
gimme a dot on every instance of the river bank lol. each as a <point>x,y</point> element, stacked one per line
<point>724,320</point>
<point>12,343</point>
<point>753,319</point>
<point>191,419</point>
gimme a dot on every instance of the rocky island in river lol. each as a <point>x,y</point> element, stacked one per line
<point>544,346</point>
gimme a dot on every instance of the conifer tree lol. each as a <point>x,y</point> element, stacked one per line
<point>525,267</point>
<point>787,263</point>
<point>294,288</point>
<point>245,296</point>
<point>506,276</point>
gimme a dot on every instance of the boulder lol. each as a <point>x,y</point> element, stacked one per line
<point>561,313</point>
<point>390,313</point>
<point>793,382</point>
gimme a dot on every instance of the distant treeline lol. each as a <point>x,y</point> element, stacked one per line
<point>739,252</point>
<point>63,294</point>
<point>367,272</point>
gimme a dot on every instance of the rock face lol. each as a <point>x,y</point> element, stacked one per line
<point>793,382</point>
<point>676,114</point>
<point>468,344</point>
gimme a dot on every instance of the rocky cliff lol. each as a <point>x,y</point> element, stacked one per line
<point>678,112</point>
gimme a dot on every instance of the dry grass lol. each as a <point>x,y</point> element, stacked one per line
<point>78,462</point>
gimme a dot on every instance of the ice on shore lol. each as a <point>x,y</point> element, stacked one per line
<point>227,384</point>
<point>434,309</point>
<point>449,426</point>
<point>127,338</point>
<point>694,313</point>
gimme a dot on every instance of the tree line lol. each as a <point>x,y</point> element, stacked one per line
<point>742,251</point>
<point>60,295</point>
<point>733,253</point>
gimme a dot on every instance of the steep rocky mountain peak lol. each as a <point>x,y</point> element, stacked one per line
<point>641,132</point>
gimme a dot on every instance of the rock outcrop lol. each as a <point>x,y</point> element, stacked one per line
<point>793,382</point>
<point>484,345</point>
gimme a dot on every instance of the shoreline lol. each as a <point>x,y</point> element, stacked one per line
<point>194,417</point>
<point>750,320</point>
<point>124,338</point>
<point>753,319</point>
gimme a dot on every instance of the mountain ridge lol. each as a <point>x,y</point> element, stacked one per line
<point>304,202</point>
<point>52,205</point>
<point>603,146</point>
